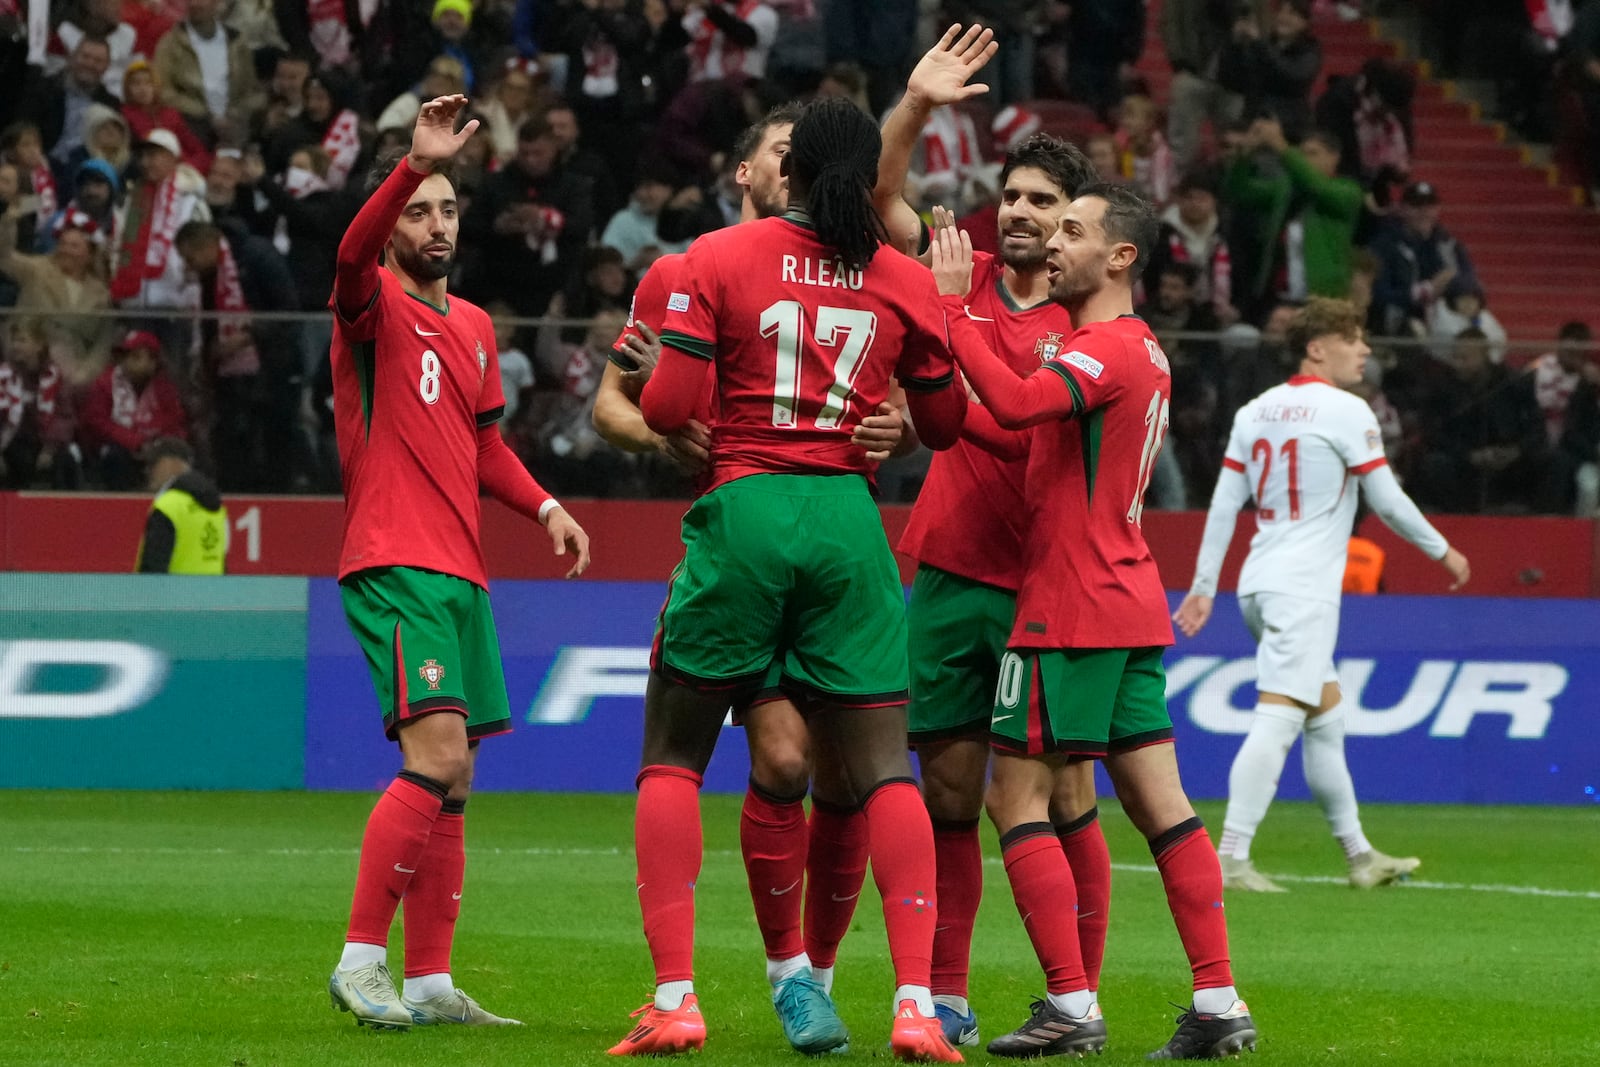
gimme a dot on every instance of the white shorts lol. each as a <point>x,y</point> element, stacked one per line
<point>1294,644</point>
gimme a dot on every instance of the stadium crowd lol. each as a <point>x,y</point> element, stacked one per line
<point>168,157</point>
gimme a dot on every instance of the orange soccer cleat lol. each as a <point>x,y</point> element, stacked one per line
<point>664,1033</point>
<point>918,1038</point>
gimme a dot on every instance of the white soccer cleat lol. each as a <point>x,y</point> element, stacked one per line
<point>1372,869</point>
<point>453,1007</point>
<point>1242,875</point>
<point>367,992</point>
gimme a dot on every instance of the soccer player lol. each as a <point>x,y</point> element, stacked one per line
<point>785,555</point>
<point>1294,450</point>
<point>1083,678</point>
<point>794,866</point>
<point>966,536</point>
<point>416,399</point>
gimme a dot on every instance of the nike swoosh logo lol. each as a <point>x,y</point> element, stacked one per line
<point>845,900</point>
<point>455,896</point>
<point>781,892</point>
<point>405,870</point>
<point>1001,718</point>
<point>977,318</point>
<point>425,333</point>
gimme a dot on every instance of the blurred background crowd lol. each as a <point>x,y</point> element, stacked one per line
<point>175,176</point>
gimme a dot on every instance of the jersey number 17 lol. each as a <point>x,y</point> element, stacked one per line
<point>850,330</point>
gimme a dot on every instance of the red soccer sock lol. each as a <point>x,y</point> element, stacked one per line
<point>1085,845</point>
<point>667,842</point>
<point>959,856</point>
<point>1192,876</point>
<point>391,851</point>
<point>772,837</point>
<point>1047,899</point>
<point>900,840</point>
<point>836,868</point>
<point>433,899</point>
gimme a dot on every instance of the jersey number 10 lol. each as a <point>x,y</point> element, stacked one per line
<point>850,330</point>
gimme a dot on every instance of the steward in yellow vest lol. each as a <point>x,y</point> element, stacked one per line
<point>187,529</point>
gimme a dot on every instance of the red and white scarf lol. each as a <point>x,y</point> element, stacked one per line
<point>235,325</point>
<point>342,142</point>
<point>330,31</point>
<point>17,395</point>
<point>1381,141</point>
<point>146,256</point>
<point>1551,19</point>
<point>712,55</point>
<point>44,187</point>
<point>1553,386</point>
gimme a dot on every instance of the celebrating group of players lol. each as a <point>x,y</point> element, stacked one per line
<point>780,358</point>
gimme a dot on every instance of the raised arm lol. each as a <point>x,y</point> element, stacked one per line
<point>939,78</point>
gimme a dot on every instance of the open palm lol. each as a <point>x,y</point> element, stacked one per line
<point>435,138</point>
<point>941,75</point>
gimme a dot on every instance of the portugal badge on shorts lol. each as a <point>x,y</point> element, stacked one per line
<point>483,368</point>
<point>1048,348</point>
<point>431,671</point>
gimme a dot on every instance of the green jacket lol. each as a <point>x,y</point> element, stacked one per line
<point>1329,210</point>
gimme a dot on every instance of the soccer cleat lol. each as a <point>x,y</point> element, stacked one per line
<point>1372,869</point>
<point>1210,1037</point>
<point>1050,1031</point>
<point>810,1021</point>
<point>453,1007</point>
<point>367,992</point>
<point>1242,874</point>
<point>918,1038</point>
<point>664,1033</point>
<point>958,1029</point>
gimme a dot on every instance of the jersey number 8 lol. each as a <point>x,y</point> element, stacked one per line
<point>428,387</point>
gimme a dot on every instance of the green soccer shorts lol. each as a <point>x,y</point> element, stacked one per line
<point>957,631</point>
<point>1082,702</point>
<point>430,644</point>
<point>792,568</point>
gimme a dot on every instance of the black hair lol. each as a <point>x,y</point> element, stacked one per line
<point>1061,161</point>
<point>1187,271</point>
<point>1576,331</point>
<point>169,448</point>
<point>193,231</point>
<point>1129,217</point>
<point>385,164</point>
<point>532,129</point>
<point>833,165</point>
<point>756,132</point>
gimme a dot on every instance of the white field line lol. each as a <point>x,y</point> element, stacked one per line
<point>1135,868</point>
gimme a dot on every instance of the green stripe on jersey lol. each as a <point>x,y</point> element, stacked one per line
<point>1090,426</point>
<point>697,347</point>
<point>1072,384</point>
<point>365,354</point>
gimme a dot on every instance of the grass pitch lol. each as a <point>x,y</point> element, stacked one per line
<point>182,928</point>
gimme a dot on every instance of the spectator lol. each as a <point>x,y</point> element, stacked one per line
<point>207,72</point>
<point>573,457</point>
<point>103,19</point>
<point>327,118</point>
<point>531,224</point>
<point>1144,159</point>
<point>450,27</point>
<point>572,157</point>
<point>1363,275</point>
<point>57,105</point>
<point>186,531</point>
<point>509,105</point>
<point>1484,438</point>
<point>445,77</point>
<point>1417,261</point>
<point>105,136</point>
<point>516,369</point>
<point>286,91</point>
<point>146,271</point>
<point>231,198</point>
<point>1194,33</point>
<point>1585,51</point>
<point>1566,386</point>
<point>94,196</point>
<point>1013,22</point>
<point>35,193</point>
<point>60,287</point>
<point>145,112</point>
<point>847,80</point>
<point>1305,215</point>
<point>615,46</point>
<point>1104,40</point>
<point>131,404</point>
<point>632,231</point>
<point>253,364</point>
<point>256,23</point>
<point>151,20</point>
<point>948,157</point>
<point>693,211</point>
<point>729,38</point>
<point>878,37</point>
<point>35,419</point>
<point>1391,425</point>
<point>1191,232</point>
<point>1274,72</point>
<point>1101,149</point>
<point>601,285</point>
<point>1461,308</point>
<point>1370,113</point>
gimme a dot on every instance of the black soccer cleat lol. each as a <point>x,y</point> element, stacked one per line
<point>1210,1037</point>
<point>1050,1031</point>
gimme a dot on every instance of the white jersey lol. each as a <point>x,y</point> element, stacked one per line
<point>1298,446</point>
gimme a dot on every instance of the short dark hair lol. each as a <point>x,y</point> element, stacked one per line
<point>1129,217</point>
<point>1472,333</point>
<point>1575,330</point>
<point>168,448</point>
<point>1187,271</point>
<point>385,164</point>
<point>193,232</point>
<point>1061,161</point>
<point>533,129</point>
<point>756,132</point>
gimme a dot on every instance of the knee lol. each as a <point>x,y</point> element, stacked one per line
<point>780,762</point>
<point>952,787</point>
<point>1011,804</point>
<point>453,770</point>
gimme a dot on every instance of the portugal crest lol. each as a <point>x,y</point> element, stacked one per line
<point>1048,348</point>
<point>483,368</point>
<point>431,671</point>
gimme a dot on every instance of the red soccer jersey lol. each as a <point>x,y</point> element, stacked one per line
<point>968,517</point>
<point>665,276</point>
<point>1090,581</point>
<point>803,348</point>
<point>412,384</point>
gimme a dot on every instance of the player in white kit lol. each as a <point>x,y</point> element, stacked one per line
<point>1295,450</point>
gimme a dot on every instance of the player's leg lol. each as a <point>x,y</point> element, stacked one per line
<point>1285,652</point>
<point>433,899</point>
<point>406,633</point>
<point>1143,767</point>
<point>1047,707</point>
<point>773,838</point>
<point>836,863</point>
<point>1076,817</point>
